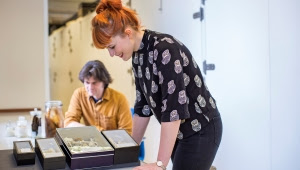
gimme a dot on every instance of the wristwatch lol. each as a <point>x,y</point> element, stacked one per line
<point>160,164</point>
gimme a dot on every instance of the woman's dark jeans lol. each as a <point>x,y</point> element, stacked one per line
<point>198,151</point>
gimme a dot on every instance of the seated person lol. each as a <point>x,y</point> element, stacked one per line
<point>98,105</point>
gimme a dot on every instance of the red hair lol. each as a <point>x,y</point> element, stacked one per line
<point>111,20</point>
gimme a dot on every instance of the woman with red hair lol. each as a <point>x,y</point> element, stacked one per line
<point>169,85</point>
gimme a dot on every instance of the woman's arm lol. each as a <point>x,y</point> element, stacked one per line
<point>168,136</point>
<point>139,127</point>
<point>169,131</point>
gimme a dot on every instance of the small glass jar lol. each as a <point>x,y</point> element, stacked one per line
<point>54,117</point>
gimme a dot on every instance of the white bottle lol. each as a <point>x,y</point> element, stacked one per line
<point>21,128</point>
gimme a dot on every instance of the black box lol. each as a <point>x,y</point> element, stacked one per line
<point>24,152</point>
<point>126,149</point>
<point>85,147</point>
<point>50,154</point>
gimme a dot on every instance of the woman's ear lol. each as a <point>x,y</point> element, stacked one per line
<point>128,32</point>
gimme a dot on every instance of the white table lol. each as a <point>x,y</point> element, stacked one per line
<point>7,142</point>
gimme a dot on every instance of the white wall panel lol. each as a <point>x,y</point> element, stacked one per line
<point>285,83</point>
<point>237,43</point>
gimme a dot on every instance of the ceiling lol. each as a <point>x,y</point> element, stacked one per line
<point>61,11</point>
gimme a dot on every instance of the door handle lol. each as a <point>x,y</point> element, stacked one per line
<point>207,67</point>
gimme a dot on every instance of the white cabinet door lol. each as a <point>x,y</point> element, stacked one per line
<point>237,44</point>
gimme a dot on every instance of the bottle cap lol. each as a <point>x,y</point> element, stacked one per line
<point>35,112</point>
<point>22,121</point>
<point>55,103</point>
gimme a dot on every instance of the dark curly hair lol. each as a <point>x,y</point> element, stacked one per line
<point>97,70</point>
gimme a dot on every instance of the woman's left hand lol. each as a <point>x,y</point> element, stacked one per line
<point>150,166</point>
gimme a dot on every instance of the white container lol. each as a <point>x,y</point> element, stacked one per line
<point>10,130</point>
<point>21,128</point>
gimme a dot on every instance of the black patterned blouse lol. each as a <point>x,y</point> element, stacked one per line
<point>169,84</point>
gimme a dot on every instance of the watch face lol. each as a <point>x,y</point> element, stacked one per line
<point>159,163</point>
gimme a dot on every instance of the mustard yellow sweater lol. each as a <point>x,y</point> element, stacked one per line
<point>112,112</point>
